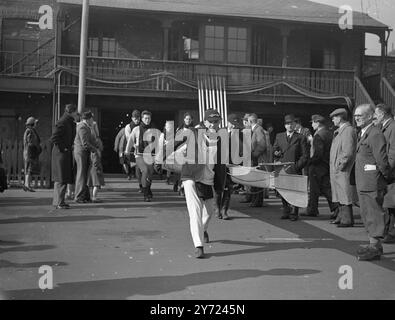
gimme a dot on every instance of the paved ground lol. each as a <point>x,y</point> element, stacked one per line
<point>127,249</point>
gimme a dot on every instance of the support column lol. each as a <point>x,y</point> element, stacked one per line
<point>83,52</point>
<point>383,60</point>
<point>285,31</point>
<point>166,25</point>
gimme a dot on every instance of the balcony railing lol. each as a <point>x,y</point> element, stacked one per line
<point>183,76</point>
<point>28,65</point>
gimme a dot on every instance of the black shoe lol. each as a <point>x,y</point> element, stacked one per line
<point>31,189</point>
<point>285,217</point>
<point>335,222</point>
<point>364,249</point>
<point>225,217</point>
<point>219,216</point>
<point>345,225</point>
<point>310,213</point>
<point>294,218</point>
<point>389,239</point>
<point>26,189</point>
<point>335,214</point>
<point>205,237</point>
<point>63,206</point>
<point>199,253</point>
<point>370,254</point>
<point>286,210</point>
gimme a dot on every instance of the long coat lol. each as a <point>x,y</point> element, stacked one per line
<point>321,146</point>
<point>258,145</point>
<point>294,151</point>
<point>62,155</point>
<point>342,159</point>
<point>389,134</point>
<point>371,151</point>
<point>31,151</point>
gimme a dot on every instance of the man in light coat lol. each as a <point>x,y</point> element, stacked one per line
<point>342,159</point>
<point>384,119</point>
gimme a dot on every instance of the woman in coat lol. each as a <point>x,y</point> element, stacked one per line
<point>31,152</point>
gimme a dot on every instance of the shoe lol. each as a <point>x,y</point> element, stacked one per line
<point>310,213</point>
<point>345,225</point>
<point>225,216</point>
<point>286,210</point>
<point>219,216</point>
<point>294,218</point>
<point>364,249</point>
<point>335,214</point>
<point>31,189</point>
<point>389,239</point>
<point>199,253</point>
<point>370,254</point>
<point>285,217</point>
<point>205,237</point>
<point>24,188</point>
<point>63,206</point>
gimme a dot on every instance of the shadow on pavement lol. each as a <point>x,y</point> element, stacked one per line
<point>146,286</point>
<point>27,248</point>
<point>9,264</point>
<point>63,219</point>
<point>304,231</point>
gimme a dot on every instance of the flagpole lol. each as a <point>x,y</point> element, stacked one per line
<point>83,52</point>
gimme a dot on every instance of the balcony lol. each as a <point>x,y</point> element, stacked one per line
<point>117,76</point>
<point>181,77</point>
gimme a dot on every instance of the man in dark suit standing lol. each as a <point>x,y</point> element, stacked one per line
<point>258,149</point>
<point>371,172</point>
<point>62,155</point>
<point>318,166</point>
<point>290,146</point>
<point>384,119</point>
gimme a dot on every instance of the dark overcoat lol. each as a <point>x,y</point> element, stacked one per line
<point>62,153</point>
<point>293,151</point>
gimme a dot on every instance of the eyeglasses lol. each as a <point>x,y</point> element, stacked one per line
<point>358,116</point>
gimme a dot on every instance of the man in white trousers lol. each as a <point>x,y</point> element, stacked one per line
<point>201,178</point>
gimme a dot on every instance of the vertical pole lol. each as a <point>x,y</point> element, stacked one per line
<point>83,50</point>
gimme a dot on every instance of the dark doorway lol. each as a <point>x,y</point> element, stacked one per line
<point>112,121</point>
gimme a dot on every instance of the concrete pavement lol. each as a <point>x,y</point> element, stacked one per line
<point>125,248</point>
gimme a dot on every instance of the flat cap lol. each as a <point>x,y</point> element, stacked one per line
<point>136,114</point>
<point>211,114</point>
<point>233,119</point>
<point>289,118</point>
<point>339,112</point>
<point>317,118</point>
<point>31,121</point>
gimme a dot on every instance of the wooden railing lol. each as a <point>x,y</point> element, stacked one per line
<point>32,65</point>
<point>12,155</point>
<point>361,94</point>
<point>387,93</point>
<point>120,73</point>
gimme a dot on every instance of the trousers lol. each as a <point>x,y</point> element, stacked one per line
<point>82,160</point>
<point>372,213</point>
<point>59,193</point>
<point>146,171</point>
<point>200,212</point>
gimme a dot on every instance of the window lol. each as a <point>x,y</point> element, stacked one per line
<point>214,43</point>
<point>184,41</point>
<point>102,47</point>
<point>330,61</point>
<point>225,44</point>
<point>191,49</point>
<point>237,45</point>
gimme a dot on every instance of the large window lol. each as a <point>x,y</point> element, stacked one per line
<point>184,41</point>
<point>225,44</point>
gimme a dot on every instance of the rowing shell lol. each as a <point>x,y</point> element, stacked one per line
<point>293,188</point>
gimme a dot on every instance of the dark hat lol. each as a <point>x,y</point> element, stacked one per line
<point>136,114</point>
<point>317,118</point>
<point>87,115</point>
<point>211,114</point>
<point>338,112</point>
<point>233,119</point>
<point>289,118</point>
<point>31,121</point>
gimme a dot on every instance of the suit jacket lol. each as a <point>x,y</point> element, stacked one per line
<point>84,139</point>
<point>258,144</point>
<point>389,134</point>
<point>293,151</point>
<point>372,151</point>
<point>321,148</point>
<point>117,141</point>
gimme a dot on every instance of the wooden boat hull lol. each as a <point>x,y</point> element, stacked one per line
<point>293,188</point>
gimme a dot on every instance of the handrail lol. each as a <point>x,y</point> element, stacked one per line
<point>361,94</point>
<point>210,64</point>
<point>387,93</point>
<point>29,54</point>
